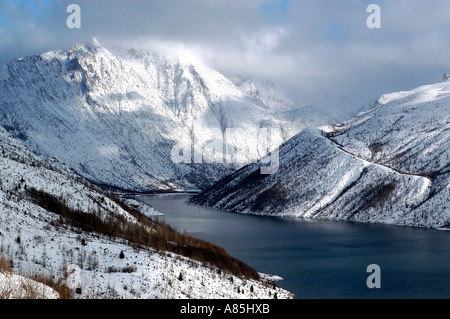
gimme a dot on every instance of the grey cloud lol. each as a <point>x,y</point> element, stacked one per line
<point>316,44</point>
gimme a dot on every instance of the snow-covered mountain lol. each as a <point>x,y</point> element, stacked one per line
<point>390,164</point>
<point>119,118</point>
<point>54,225</point>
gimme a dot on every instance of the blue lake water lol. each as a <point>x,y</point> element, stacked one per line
<point>323,259</point>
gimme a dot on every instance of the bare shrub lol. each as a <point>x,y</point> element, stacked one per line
<point>5,265</point>
<point>146,232</point>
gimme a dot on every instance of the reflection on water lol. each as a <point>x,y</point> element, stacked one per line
<point>323,259</point>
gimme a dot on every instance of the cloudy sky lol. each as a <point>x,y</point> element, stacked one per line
<point>314,44</point>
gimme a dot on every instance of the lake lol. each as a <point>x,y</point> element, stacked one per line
<point>322,259</point>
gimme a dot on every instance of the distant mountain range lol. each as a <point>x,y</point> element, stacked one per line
<point>118,117</point>
<point>390,164</point>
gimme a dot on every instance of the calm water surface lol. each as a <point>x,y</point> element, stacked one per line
<point>322,259</point>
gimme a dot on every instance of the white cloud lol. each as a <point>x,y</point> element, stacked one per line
<point>264,41</point>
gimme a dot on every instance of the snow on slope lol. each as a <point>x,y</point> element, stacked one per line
<point>41,242</point>
<point>409,131</point>
<point>388,165</point>
<point>14,286</point>
<point>115,116</point>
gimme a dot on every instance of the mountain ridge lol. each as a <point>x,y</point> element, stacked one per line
<point>116,115</point>
<point>389,164</point>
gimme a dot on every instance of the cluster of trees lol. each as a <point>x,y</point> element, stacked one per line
<point>144,232</point>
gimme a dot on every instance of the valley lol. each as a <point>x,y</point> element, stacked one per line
<point>81,129</point>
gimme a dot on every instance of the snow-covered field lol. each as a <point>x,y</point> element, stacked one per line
<point>14,286</point>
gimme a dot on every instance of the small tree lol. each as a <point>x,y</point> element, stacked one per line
<point>121,255</point>
<point>180,276</point>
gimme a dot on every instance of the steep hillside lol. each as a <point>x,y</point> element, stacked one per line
<point>388,165</point>
<point>56,225</point>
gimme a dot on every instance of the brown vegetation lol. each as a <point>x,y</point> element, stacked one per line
<point>145,232</point>
<point>5,265</point>
<point>28,290</point>
<point>59,286</point>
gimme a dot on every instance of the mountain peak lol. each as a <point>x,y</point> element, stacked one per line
<point>114,107</point>
<point>92,46</point>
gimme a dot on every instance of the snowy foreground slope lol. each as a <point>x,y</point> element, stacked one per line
<point>119,117</point>
<point>14,286</point>
<point>49,217</point>
<point>389,165</point>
